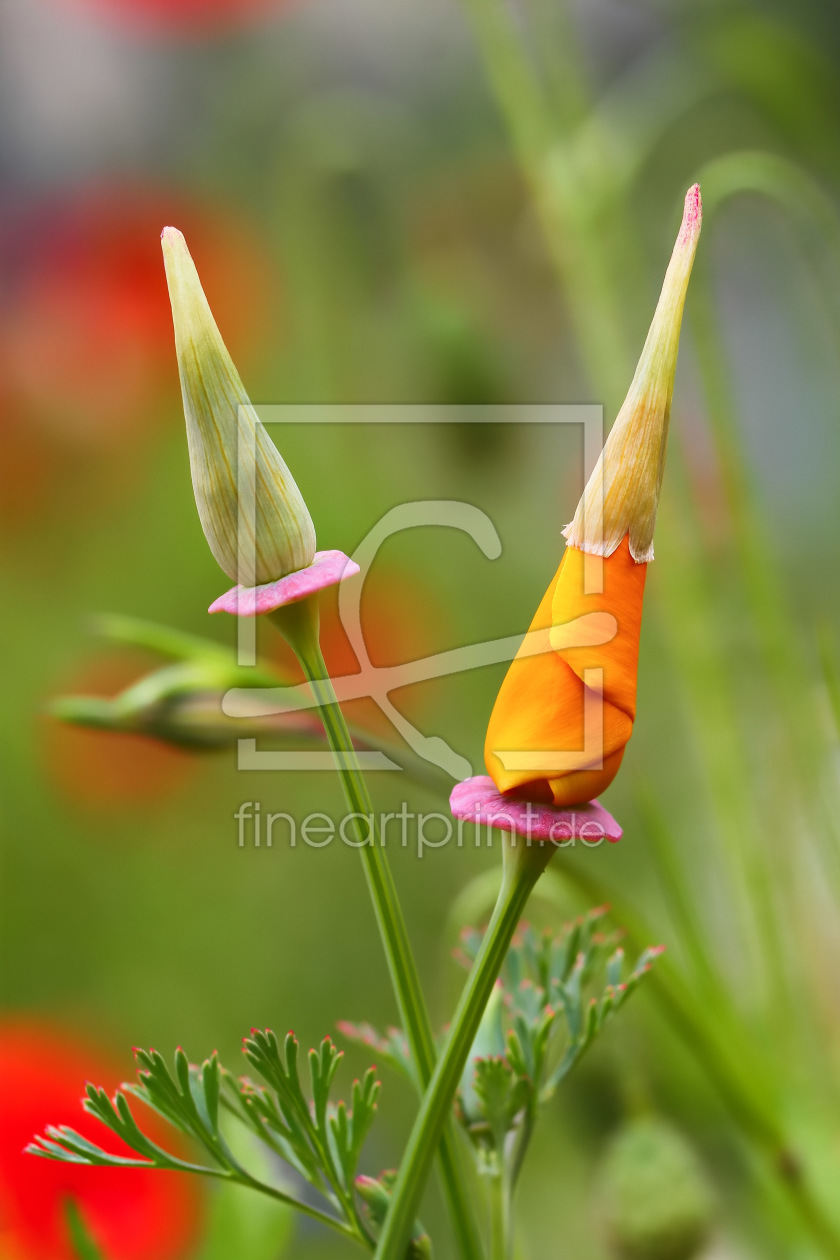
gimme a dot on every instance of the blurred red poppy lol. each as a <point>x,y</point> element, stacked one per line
<point>105,771</point>
<point>133,1214</point>
<point>85,331</point>
<point>183,16</point>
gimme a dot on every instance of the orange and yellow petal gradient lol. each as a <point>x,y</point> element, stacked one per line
<point>567,705</point>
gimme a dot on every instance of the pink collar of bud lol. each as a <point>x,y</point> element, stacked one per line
<point>327,568</point>
<point>478,800</point>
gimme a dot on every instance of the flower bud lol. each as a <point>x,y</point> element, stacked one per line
<point>252,513</point>
<point>654,1196</point>
<point>566,708</point>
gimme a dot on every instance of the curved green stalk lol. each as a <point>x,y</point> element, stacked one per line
<point>523,865</point>
<point>298,623</point>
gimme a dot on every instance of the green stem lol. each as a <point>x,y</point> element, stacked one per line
<point>523,1141</point>
<point>243,1178</point>
<point>500,1216</point>
<point>523,865</point>
<point>298,623</point>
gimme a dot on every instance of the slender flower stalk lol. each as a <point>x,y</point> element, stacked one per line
<point>298,623</point>
<point>280,573</point>
<point>523,864</point>
<point>501,1225</point>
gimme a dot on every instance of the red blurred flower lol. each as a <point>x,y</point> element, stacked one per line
<point>86,345</point>
<point>133,1214</point>
<point>182,16</point>
<point>105,771</point>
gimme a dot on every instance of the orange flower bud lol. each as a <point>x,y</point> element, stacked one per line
<point>566,708</point>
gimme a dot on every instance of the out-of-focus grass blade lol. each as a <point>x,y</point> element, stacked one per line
<point>81,1239</point>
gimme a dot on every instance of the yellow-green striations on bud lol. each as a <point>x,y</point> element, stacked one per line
<point>252,513</point>
<point>622,495</point>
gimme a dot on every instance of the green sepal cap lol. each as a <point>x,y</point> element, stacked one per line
<point>252,513</point>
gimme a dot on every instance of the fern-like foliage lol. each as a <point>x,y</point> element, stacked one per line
<point>391,1046</point>
<point>318,1138</point>
<point>555,994</point>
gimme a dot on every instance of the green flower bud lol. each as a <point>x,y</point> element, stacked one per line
<point>653,1195</point>
<point>251,511</point>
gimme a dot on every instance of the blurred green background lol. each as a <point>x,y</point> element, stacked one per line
<point>393,202</point>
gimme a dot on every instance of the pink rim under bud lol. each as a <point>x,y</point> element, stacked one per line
<point>327,568</point>
<point>478,800</point>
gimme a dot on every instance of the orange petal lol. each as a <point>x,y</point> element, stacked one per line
<point>542,705</point>
<point>623,591</point>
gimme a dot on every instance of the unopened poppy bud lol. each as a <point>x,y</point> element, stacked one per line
<point>252,513</point>
<point>566,708</point>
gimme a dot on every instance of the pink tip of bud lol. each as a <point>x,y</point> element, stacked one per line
<point>692,215</point>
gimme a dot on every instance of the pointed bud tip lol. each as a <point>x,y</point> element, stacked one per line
<point>692,219</point>
<point>622,495</point>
